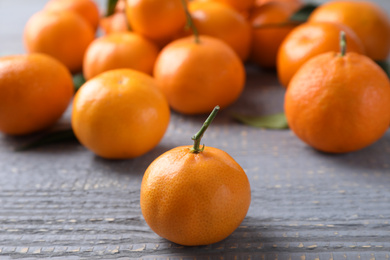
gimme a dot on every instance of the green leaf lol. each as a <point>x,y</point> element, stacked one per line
<point>275,121</point>
<point>303,13</point>
<point>384,64</point>
<point>78,81</point>
<point>59,136</point>
<point>111,7</point>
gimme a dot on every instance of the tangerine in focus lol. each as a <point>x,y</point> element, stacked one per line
<point>120,114</point>
<point>63,35</point>
<point>194,197</point>
<point>35,90</point>
<point>339,103</point>
<point>85,8</point>
<point>196,76</point>
<point>222,22</point>
<point>308,40</point>
<point>370,23</point>
<point>119,50</point>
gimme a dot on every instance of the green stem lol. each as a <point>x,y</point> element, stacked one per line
<point>198,136</point>
<point>111,7</point>
<point>343,44</point>
<point>190,22</point>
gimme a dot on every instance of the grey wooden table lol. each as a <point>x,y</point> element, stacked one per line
<point>61,201</point>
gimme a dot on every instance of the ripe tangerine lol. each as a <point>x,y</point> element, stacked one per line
<point>35,90</point>
<point>120,114</point>
<point>194,196</point>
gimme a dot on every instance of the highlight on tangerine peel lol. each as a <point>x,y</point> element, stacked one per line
<point>194,195</point>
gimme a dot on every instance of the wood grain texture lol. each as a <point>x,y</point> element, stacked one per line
<point>62,202</point>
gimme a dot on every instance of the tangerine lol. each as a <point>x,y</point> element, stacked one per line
<point>370,23</point>
<point>85,8</point>
<point>195,76</point>
<point>120,114</point>
<point>270,25</point>
<point>194,196</point>
<point>223,22</point>
<point>241,6</point>
<point>35,90</point>
<point>339,103</point>
<point>119,50</point>
<point>308,40</point>
<point>116,22</point>
<point>294,4</point>
<point>63,35</point>
<point>155,19</point>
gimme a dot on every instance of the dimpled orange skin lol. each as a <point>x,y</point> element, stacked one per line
<point>63,35</point>
<point>155,19</point>
<point>194,199</point>
<point>197,77</point>
<point>339,104</point>
<point>85,8</point>
<point>223,22</point>
<point>119,50</point>
<point>266,41</point>
<point>120,114</point>
<point>308,40</point>
<point>366,19</point>
<point>35,91</point>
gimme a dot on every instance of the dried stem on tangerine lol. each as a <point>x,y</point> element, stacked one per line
<point>190,22</point>
<point>111,4</point>
<point>343,44</point>
<point>198,136</point>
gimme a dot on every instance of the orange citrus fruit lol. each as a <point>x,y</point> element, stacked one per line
<point>35,90</point>
<point>120,114</point>
<point>194,197</point>
<point>223,22</point>
<point>119,50</point>
<point>64,35</point>
<point>155,19</point>
<point>195,77</point>
<point>85,8</point>
<point>368,20</point>
<point>270,25</point>
<point>338,103</point>
<point>308,40</point>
